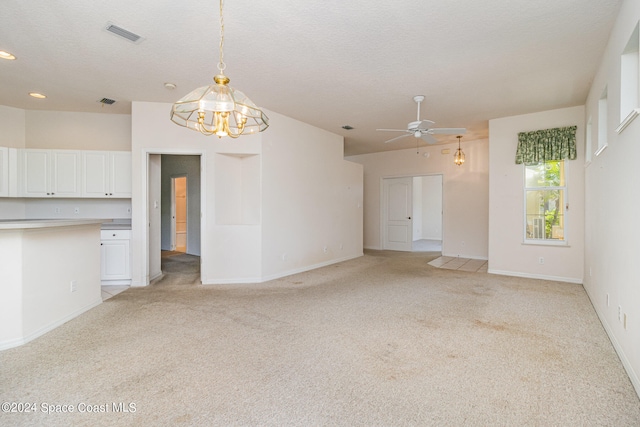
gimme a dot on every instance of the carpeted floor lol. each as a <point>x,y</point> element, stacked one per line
<point>382,340</point>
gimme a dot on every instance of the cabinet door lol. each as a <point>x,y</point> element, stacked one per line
<point>66,173</point>
<point>36,172</point>
<point>115,260</point>
<point>95,166</point>
<point>120,174</point>
<point>4,172</point>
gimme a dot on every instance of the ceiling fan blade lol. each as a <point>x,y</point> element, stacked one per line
<point>428,138</point>
<point>436,131</point>
<point>425,124</point>
<point>396,138</point>
<point>393,130</point>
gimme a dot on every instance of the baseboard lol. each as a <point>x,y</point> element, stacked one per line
<point>51,326</point>
<point>536,276</point>
<point>115,282</point>
<point>633,377</point>
<point>262,279</point>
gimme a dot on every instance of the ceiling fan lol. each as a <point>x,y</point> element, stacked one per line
<point>421,129</point>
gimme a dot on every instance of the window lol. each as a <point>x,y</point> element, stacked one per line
<point>545,201</point>
<point>629,80</point>
<point>588,143</point>
<point>602,122</point>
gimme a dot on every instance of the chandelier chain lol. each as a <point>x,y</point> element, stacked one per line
<point>221,64</point>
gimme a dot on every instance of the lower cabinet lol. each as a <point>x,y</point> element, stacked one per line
<point>115,257</point>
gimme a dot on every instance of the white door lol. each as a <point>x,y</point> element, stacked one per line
<point>179,214</point>
<point>397,210</point>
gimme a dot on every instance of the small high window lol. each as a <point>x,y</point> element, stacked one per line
<point>602,122</point>
<point>629,80</point>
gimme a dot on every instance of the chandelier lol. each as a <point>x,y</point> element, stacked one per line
<point>219,109</point>
<point>458,157</point>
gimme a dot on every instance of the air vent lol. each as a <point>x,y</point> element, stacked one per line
<point>119,31</point>
<point>107,101</point>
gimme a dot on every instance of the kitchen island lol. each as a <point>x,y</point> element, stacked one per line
<point>49,274</point>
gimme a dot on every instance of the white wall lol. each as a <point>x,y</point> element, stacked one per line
<point>190,167</point>
<point>465,193</point>
<point>432,207</point>
<point>78,131</point>
<point>12,123</point>
<point>37,208</point>
<point>612,235</point>
<point>311,199</point>
<point>507,253</point>
<point>292,178</point>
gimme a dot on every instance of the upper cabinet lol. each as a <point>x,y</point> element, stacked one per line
<point>8,172</point>
<point>4,172</point>
<point>64,173</point>
<point>51,173</point>
<point>106,174</point>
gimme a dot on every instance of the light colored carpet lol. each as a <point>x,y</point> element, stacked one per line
<point>383,340</point>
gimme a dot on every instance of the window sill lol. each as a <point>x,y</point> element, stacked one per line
<point>600,150</point>
<point>562,244</point>
<point>627,120</point>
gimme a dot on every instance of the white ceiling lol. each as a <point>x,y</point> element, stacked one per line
<point>328,63</point>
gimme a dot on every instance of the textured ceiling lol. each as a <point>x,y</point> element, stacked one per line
<point>328,63</point>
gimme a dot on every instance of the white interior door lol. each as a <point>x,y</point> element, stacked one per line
<point>397,211</point>
<point>179,214</point>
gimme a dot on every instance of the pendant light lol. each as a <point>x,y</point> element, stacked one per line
<point>458,157</point>
<point>218,109</point>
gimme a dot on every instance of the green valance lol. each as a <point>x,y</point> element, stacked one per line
<point>544,145</point>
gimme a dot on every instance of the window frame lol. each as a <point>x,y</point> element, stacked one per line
<point>565,188</point>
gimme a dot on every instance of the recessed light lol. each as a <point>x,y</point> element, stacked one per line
<point>6,55</point>
<point>37,95</point>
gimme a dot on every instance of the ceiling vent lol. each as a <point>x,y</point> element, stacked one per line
<point>107,101</point>
<point>119,31</point>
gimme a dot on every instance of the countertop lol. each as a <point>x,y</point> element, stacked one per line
<point>17,224</point>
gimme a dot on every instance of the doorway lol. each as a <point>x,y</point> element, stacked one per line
<point>157,233</point>
<point>411,213</point>
<point>179,217</point>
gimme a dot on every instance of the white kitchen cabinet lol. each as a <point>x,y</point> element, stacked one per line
<point>8,172</point>
<point>106,174</point>
<point>51,173</point>
<point>115,257</point>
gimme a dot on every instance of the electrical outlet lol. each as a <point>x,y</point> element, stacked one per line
<point>325,249</point>
<point>284,257</point>
<point>74,286</point>
<point>57,210</point>
<point>619,314</point>
<point>463,243</point>
<point>541,260</point>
